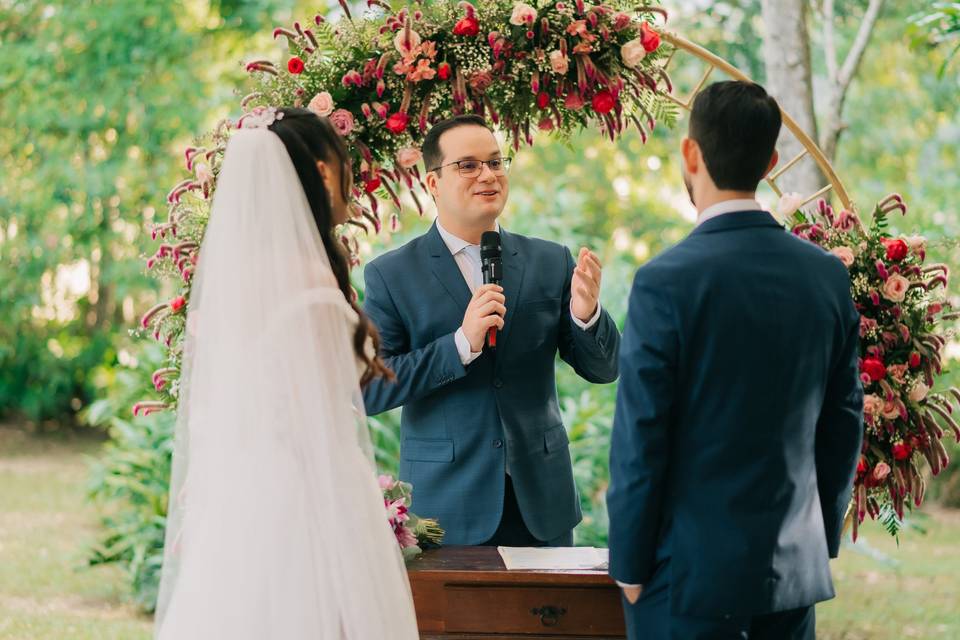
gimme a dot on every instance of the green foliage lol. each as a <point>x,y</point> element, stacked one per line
<point>132,480</point>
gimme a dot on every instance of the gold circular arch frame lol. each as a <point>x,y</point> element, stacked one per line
<point>810,147</point>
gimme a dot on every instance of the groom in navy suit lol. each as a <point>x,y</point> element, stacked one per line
<point>739,411</point>
<point>482,440</point>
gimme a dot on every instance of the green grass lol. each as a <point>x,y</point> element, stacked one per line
<point>46,593</point>
<point>46,527</point>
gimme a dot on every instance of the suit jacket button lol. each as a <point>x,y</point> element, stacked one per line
<point>497,444</point>
<point>498,383</point>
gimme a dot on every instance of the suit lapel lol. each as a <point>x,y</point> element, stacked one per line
<point>512,280</point>
<point>445,269</point>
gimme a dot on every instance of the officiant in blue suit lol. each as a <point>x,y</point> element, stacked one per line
<point>482,440</point>
<point>739,411</point>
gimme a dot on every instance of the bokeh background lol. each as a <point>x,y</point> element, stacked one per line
<point>99,98</point>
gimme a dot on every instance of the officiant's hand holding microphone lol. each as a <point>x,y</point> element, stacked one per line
<point>485,311</point>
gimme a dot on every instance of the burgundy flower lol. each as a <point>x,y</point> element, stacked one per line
<point>603,102</point>
<point>372,184</point>
<point>543,99</point>
<point>468,26</point>
<point>295,65</point>
<point>901,451</point>
<point>443,71</point>
<point>914,360</point>
<point>874,368</point>
<point>397,123</point>
<point>649,37</point>
<point>896,249</point>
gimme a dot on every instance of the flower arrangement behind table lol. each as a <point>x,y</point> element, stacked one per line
<point>902,305</point>
<point>384,78</point>
<point>410,530</point>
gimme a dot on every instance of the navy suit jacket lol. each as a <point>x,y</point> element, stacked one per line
<point>460,424</point>
<point>739,420</point>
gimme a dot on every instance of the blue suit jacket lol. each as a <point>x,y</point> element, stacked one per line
<point>739,420</point>
<point>460,424</point>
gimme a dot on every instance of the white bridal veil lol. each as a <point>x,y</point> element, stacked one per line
<point>276,525</point>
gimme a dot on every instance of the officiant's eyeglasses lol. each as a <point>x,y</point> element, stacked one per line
<point>473,168</point>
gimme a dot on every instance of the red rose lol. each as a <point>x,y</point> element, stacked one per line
<point>397,123</point>
<point>896,250</point>
<point>543,99</point>
<point>603,102</point>
<point>873,368</point>
<point>468,26</point>
<point>443,71</point>
<point>914,360</point>
<point>295,65</point>
<point>177,303</point>
<point>372,184</point>
<point>649,38</point>
<point>901,451</point>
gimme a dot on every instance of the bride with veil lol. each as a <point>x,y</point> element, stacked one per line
<point>276,525</point>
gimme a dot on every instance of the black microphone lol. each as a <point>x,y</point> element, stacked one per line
<point>491,264</point>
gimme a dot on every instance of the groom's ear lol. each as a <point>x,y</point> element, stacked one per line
<point>774,159</point>
<point>690,151</point>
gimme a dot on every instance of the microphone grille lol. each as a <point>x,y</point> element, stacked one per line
<point>490,244</point>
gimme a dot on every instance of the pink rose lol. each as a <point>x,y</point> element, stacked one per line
<point>890,410</point>
<point>881,471</point>
<point>523,14</point>
<point>872,404</point>
<point>404,44</point>
<point>917,244</point>
<point>559,62</point>
<point>918,392</point>
<point>342,121</point>
<point>386,482</point>
<point>845,254</point>
<point>895,288</point>
<point>621,21</point>
<point>897,372</point>
<point>408,157</point>
<point>867,325</point>
<point>633,52</point>
<point>321,104</point>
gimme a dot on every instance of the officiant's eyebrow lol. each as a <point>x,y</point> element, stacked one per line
<point>490,156</point>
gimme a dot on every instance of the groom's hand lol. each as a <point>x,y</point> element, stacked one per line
<point>632,594</point>
<point>486,309</point>
<point>585,286</point>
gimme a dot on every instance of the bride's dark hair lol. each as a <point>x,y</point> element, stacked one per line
<point>309,138</point>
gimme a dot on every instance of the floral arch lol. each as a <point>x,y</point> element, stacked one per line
<point>563,66</point>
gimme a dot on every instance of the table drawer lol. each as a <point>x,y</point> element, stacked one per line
<point>560,611</point>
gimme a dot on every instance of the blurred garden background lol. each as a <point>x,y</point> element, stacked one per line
<point>98,99</point>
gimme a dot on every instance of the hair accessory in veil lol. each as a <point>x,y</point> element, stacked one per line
<point>260,118</point>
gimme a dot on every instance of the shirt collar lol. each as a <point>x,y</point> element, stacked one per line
<point>456,244</point>
<point>728,206</point>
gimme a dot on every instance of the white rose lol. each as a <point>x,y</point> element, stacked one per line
<point>918,392</point>
<point>789,204</point>
<point>523,14</point>
<point>633,52</point>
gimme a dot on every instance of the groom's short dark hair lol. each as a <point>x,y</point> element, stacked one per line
<point>432,156</point>
<point>736,125</point>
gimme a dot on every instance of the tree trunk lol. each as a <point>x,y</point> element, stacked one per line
<point>786,51</point>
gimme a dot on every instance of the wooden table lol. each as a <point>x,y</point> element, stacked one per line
<point>466,593</point>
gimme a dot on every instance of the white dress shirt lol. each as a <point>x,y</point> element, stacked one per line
<point>728,206</point>
<point>467,257</point>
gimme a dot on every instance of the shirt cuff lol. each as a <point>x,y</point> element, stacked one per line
<point>627,586</point>
<point>463,348</point>
<point>589,324</point>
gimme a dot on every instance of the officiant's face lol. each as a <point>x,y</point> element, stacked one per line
<point>473,200</point>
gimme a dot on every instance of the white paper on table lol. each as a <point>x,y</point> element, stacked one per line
<point>554,558</point>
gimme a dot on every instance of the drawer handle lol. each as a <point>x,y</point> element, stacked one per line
<point>549,615</point>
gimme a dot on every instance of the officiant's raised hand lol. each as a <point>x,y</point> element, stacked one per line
<point>486,309</point>
<point>585,286</point>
